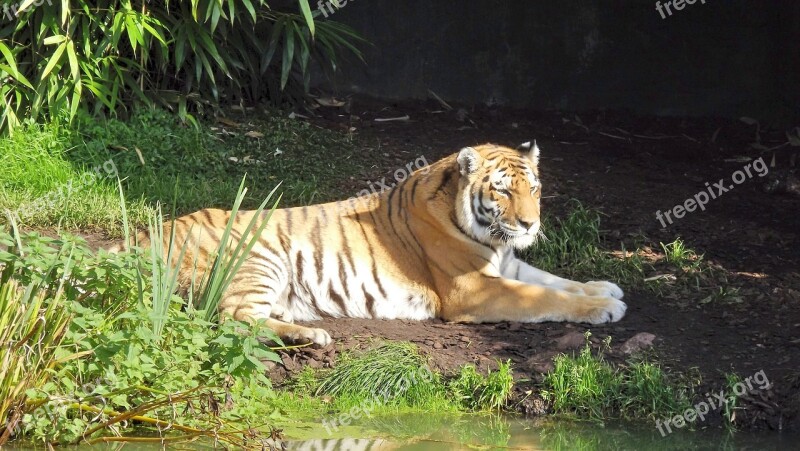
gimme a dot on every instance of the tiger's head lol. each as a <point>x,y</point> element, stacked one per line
<point>500,193</point>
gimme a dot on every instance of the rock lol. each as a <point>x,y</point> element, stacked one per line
<point>570,341</point>
<point>541,362</point>
<point>638,342</point>
<point>465,339</point>
<point>438,345</point>
<point>314,363</point>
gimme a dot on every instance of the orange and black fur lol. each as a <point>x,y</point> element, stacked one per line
<point>439,244</point>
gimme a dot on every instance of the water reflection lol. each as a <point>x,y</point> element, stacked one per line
<point>438,432</point>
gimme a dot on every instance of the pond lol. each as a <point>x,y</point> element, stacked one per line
<point>437,432</point>
<point>430,431</point>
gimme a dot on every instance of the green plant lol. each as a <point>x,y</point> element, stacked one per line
<point>681,256</point>
<point>583,385</point>
<point>477,392</point>
<point>57,59</point>
<point>32,327</point>
<point>392,373</point>
<point>587,386</point>
<point>573,248</point>
<point>646,392</point>
<point>732,402</point>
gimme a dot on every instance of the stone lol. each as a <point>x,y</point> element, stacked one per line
<point>637,343</point>
<point>541,362</point>
<point>570,341</point>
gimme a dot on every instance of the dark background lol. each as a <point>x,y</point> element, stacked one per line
<point>724,58</point>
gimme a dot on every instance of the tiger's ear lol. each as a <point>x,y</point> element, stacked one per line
<point>469,160</point>
<point>531,151</point>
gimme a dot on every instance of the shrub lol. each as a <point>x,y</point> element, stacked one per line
<point>57,58</point>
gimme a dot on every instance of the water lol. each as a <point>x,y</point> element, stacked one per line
<point>435,432</point>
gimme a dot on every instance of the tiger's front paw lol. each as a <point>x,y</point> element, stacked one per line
<point>605,310</point>
<point>319,337</point>
<point>604,288</point>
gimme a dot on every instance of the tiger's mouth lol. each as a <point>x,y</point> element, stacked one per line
<point>506,234</point>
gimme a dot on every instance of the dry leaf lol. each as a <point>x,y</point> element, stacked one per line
<point>254,134</point>
<point>139,154</point>
<point>227,122</point>
<point>330,101</point>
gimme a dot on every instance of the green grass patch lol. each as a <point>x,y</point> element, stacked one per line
<point>154,152</point>
<point>586,386</point>
<point>67,178</point>
<point>573,249</point>
<point>393,374</point>
<point>478,392</point>
<point>42,187</point>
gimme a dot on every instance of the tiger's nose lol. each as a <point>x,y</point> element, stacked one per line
<point>525,224</point>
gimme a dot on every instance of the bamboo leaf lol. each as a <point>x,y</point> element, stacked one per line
<point>53,61</point>
<point>54,39</point>
<point>24,5</point>
<point>288,56</point>
<point>76,99</point>
<point>73,60</point>
<point>277,28</point>
<point>306,9</point>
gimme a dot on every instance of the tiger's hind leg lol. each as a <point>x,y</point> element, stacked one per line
<point>256,293</point>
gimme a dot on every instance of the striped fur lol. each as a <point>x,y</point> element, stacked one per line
<point>439,244</point>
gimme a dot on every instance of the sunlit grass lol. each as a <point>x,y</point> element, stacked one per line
<point>573,249</point>
<point>587,386</point>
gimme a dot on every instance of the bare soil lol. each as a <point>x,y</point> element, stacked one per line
<point>627,167</point>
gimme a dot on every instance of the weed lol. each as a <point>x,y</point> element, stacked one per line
<point>584,385</point>
<point>588,387</point>
<point>112,360</point>
<point>32,327</point>
<point>392,373</point>
<point>681,256</point>
<point>478,392</point>
<point>730,407</point>
<point>723,295</point>
<point>646,392</point>
<point>573,249</point>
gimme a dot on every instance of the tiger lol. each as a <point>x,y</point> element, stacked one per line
<point>441,243</point>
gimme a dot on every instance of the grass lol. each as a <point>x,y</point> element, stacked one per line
<point>478,392</point>
<point>394,377</point>
<point>67,178</point>
<point>45,189</point>
<point>32,327</point>
<point>93,339</point>
<point>586,386</point>
<point>392,374</point>
<point>680,256</point>
<point>573,248</point>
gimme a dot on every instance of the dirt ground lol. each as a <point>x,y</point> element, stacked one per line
<point>627,167</point>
